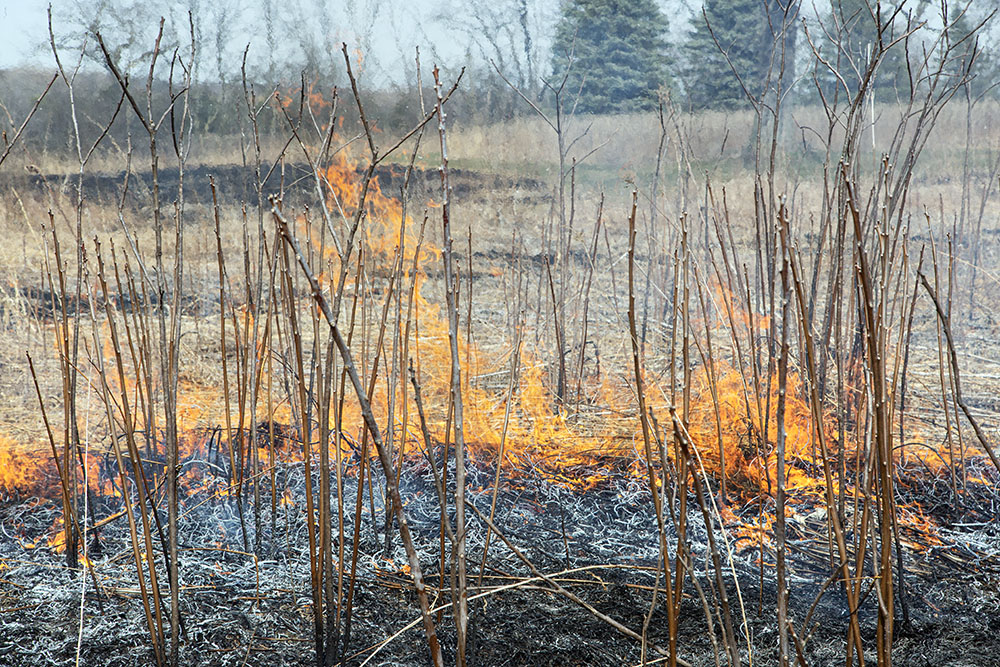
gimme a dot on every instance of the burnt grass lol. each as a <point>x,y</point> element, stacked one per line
<point>236,183</point>
<point>234,187</point>
<point>238,609</point>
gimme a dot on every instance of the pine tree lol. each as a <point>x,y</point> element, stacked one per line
<point>741,30</point>
<point>855,31</point>
<point>614,52</point>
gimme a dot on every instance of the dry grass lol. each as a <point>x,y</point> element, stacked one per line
<point>716,139</point>
<point>524,146</point>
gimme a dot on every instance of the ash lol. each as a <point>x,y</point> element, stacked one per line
<point>246,589</point>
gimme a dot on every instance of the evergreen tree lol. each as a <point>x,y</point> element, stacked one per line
<point>613,51</point>
<point>854,38</point>
<point>973,52</point>
<point>742,41</point>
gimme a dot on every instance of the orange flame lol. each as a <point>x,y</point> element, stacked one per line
<point>726,421</point>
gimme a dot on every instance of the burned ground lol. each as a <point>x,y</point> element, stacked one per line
<point>236,184</point>
<point>601,544</point>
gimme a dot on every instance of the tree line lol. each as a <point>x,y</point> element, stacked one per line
<point>604,56</point>
<point>617,54</point>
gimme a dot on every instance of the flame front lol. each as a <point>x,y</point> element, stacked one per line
<point>731,418</point>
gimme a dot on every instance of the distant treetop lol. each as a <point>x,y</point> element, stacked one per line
<point>728,48</point>
<point>615,54</point>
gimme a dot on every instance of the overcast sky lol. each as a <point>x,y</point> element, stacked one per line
<point>26,26</point>
<point>23,25</point>
<point>387,31</point>
<point>448,32</point>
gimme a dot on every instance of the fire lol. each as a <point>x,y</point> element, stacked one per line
<point>388,567</point>
<point>57,536</point>
<point>730,412</point>
<point>731,420</point>
<point>24,471</point>
<point>316,99</point>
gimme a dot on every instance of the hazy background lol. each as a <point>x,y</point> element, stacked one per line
<point>288,41</point>
<point>281,34</point>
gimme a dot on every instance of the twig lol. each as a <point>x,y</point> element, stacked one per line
<point>946,325</point>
